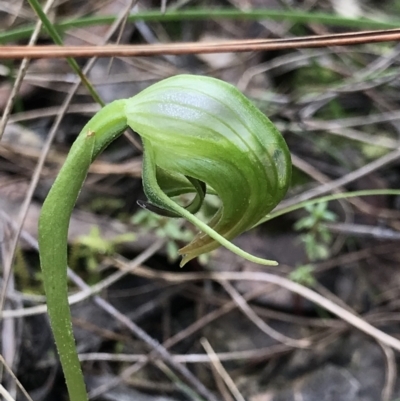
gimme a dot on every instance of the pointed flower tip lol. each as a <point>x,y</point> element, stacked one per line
<point>184,260</point>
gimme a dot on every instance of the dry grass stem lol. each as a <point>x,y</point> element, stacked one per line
<point>220,370</point>
<point>307,42</point>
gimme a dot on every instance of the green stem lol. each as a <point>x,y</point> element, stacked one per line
<point>57,39</point>
<point>191,14</point>
<point>104,127</point>
<point>327,198</point>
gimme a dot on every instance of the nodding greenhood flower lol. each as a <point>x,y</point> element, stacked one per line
<point>199,134</point>
<point>207,131</point>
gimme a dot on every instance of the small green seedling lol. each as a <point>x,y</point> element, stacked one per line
<point>317,238</point>
<point>303,275</point>
<point>92,246</point>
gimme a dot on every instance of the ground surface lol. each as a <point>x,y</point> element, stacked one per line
<point>339,111</point>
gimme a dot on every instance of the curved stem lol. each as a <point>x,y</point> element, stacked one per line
<point>101,130</point>
<point>104,127</point>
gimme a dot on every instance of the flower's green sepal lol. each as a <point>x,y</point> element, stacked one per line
<point>203,128</point>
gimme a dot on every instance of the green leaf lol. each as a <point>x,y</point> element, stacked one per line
<point>305,222</point>
<point>303,275</point>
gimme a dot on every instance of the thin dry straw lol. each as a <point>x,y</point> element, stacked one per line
<point>344,39</point>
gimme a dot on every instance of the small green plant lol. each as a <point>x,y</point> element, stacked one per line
<point>317,237</point>
<point>303,275</point>
<point>92,246</point>
<point>199,134</point>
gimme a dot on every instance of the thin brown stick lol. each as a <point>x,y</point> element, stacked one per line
<point>315,41</point>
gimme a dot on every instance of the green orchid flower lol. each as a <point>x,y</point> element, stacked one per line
<point>199,135</point>
<point>206,130</point>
